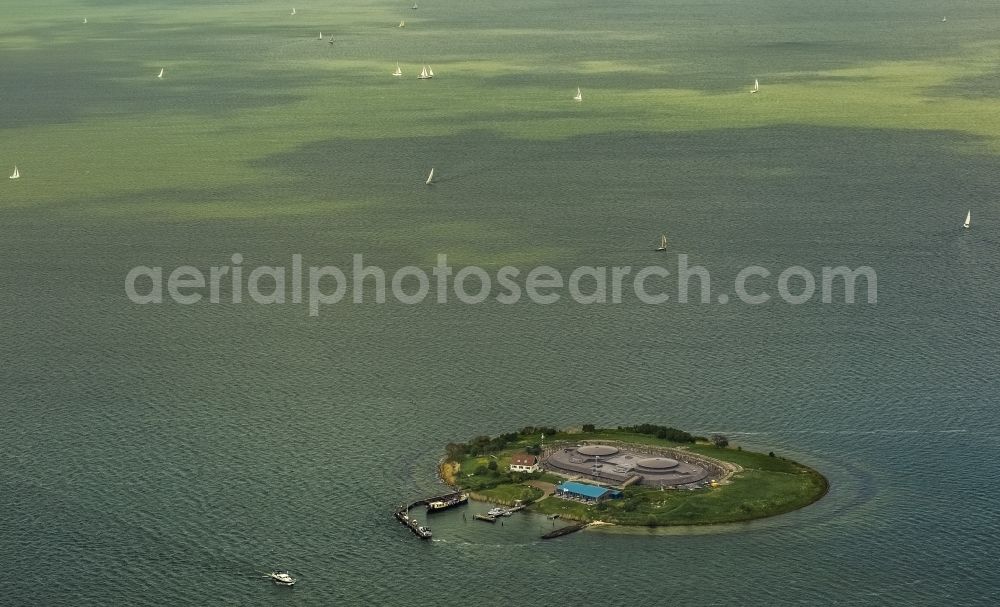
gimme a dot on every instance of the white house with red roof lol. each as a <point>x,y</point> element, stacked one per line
<point>524,462</point>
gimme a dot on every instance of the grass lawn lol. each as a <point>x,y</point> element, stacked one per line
<point>509,493</point>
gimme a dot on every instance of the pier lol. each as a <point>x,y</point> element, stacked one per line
<point>413,525</point>
<point>402,514</point>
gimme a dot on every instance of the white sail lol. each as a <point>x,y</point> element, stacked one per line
<point>579,95</point>
<point>424,74</point>
<point>16,174</point>
<point>663,241</point>
<point>968,216</point>
<point>293,11</point>
<point>430,177</point>
<point>160,75</point>
<point>321,35</point>
<point>756,86</point>
<point>430,73</point>
<point>398,71</point>
<point>84,19</point>
<point>402,24</point>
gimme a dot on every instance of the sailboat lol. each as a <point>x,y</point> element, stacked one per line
<point>160,75</point>
<point>402,24</point>
<point>17,174</point>
<point>414,6</point>
<point>398,71</point>
<point>84,19</point>
<point>943,19</point>
<point>426,73</point>
<point>321,35</point>
<point>579,95</point>
<point>293,11</point>
<point>756,86</point>
<point>430,177</point>
<point>968,216</point>
<point>663,243</point>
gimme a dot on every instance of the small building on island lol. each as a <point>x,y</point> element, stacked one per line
<point>585,492</point>
<point>524,462</point>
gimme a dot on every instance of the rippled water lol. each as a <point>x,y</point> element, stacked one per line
<point>169,455</point>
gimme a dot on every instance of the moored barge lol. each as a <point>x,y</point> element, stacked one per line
<point>438,505</point>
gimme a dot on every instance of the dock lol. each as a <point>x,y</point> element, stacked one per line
<point>402,514</point>
<point>413,525</point>
<point>485,518</point>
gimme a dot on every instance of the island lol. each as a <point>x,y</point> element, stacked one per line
<point>644,475</point>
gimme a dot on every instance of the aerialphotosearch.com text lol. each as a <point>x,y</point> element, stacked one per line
<point>326,285</point>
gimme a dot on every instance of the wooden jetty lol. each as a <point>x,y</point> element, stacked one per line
<point>485,518</point>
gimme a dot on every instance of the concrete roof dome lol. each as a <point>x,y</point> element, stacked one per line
<point>597,450</point>
<point>657,463</point>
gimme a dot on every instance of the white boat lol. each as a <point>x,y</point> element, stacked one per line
<point>430,177</point>
<point>756,86</point>
<point>402,24</point>
<point>943,19</point>
<point>414,6</point>
<point>663,243</point>
<point>579,95</point>
<point>398,71</point>
<point>968,216</point>
<point>321,35</point>
<point>426,73</point>
<point>282,578</point>
<point>84,19</point>
<point>160,75</point>
<point>17,174</point>
<point>293,11</point>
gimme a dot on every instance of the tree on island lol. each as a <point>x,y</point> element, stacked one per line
<point>530,430</point>
<point>664,432</point>
<point>455,451</point>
